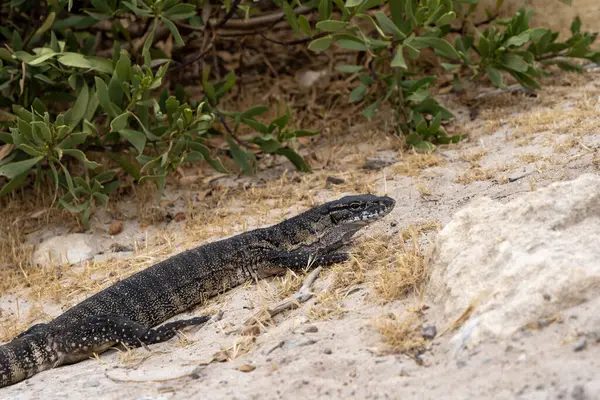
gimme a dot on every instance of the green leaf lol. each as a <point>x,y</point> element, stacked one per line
<point>576,25</point>
<point>483,47</point>
<point>353,3</point>
<point>349,68</point>
<point>44,56</point>
<point>209,90</point>
<point>388,25</point>
<point>75,60</point>
<point>351,44</point>
<point>13,184</point>
<point>120,122</point>
<point>495,77</point>
<point>123,67</point>
<point>295,158</point>
<point>525,79</point>
<point>446,18</point>
<point>78,154</point>
<point>441,45</point>
<point>358,93</point>
<point>17,168</point>
<point>320,44</point>
<point>240,156</point>
<point>302,133</point>
<point>325,9</point>
<point>73,140</point>
<point>331,25</point>
<point>146,48</point>
<point>304,25</point>
<point>136,138</point>
<point>369,111</point>
<point>178,39</point>
<point>514,62</point>
<point>290,16</point>
<point>214,162</point>
<point>180,11</point>
<point>398,61</point>
<point>76,113</point>
<point>104,97</point>
<point>517,41</point>
<point>47,24</point>
<point>254,111</point>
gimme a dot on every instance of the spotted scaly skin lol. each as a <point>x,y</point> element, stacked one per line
<point>126,312</point>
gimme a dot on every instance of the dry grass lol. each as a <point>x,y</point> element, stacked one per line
<point>413,163</point>
<point>17,323</point>
<point>475,174</point>
<point>473,157</point>
<point>327,306</point>
<point>241,345</point>
<point>401,335</point>
<point>407,272</point>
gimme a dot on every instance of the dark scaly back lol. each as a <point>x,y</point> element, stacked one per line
<point>169,287</point>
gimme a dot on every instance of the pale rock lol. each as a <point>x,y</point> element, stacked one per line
<point>518,262</point>
<point>66,249</point>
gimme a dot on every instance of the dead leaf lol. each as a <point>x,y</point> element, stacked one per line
<point>5,150</point>
<point>22,80</point>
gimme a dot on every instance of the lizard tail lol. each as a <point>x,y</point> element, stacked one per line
<point>24,357</point>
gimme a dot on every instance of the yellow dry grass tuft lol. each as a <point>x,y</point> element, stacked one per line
<point>413,163</point>
<point>241,345</point>
<point>327,306</point>
<point>405,274</point>
<point>401,335</point>
<point>473,157</point>
<point>475,174</point>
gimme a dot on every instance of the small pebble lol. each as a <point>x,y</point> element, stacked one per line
<point>311,329</point>
<point>327,351</point>
<point>115,228</point>
<point>334,181</point>
<point>429,332</point>
<point>580,345</point>
<point>246,368</point>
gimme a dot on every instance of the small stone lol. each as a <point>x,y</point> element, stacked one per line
<point>333,181</point>
<point>253,330</point>
<point>180,216</point>
<point>246,368</point>
<point>580,345</point>
<point>115,228</point>
<point>378,162</point>
<point>118,248</point>
<point>429,332</point>
<point>311,329</point>
<point>327,351</point>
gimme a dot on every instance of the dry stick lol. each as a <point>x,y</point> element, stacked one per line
<point>301,296</point>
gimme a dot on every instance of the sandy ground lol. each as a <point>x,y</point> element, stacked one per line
<point>516,144</point>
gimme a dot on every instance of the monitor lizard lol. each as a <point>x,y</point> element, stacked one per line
<point>129,312</point>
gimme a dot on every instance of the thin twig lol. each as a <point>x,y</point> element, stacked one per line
<point>301,296</point>
<point>232,10</point>
<point>293,42</point>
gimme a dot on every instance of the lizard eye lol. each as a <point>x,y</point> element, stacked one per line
<point>355,206</point>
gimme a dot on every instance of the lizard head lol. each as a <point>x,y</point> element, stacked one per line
<point>329,226</point>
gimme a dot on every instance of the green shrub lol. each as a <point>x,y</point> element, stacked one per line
<point>61,102</point>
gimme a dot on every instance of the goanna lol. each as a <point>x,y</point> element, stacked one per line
<point>128,312</point>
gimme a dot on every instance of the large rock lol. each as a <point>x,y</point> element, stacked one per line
<point>520,262</point>
<point>66,249</point>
